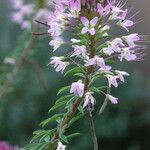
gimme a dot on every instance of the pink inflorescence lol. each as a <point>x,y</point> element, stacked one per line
<point>5,146</point>
<point>83,19</point>
<point>20,13</point>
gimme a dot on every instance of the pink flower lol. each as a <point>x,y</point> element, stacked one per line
<point>89,25</point>
<point>5,146</point>
<point>59,65</point>
<point>21,12</point>
<point>56,43</point>
<point>127,54</point>
<point>89,99</point>
<point>79,50</point>
<point>77,88</point>
<point>112,80</point>
<point>121,75</point>
<point>99,61</point>
<point>118,13</point>
<point>103,11</point>
<point>113,100</point>
<point>75,5</point>
<point>126,24</point>
<point>131,39</point>
<point>114,46</point>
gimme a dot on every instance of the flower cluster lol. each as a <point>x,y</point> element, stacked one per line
<point>21,13</point>
<point>6,146</point>
<point>92,46</point>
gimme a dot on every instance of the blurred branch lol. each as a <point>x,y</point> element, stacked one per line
<point>43,23</point>
<point>39,33</point>
<point>92,128</point>
<point>39,72</point>
<point>10,77</point>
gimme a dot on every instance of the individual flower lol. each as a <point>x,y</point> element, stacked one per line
<point>56,43</point>
<point>89,99</point>
<point>121,74</point>
<point>75,7</point>
<point>113,100</point>
<point>131,39</point>
<point>117,13</point>
<point>99,61</point>
<point>61,146</point>
<point>116,44</point>
<point>112,80</point>
<point>126,24</point>
<point>5,146</point>
<point>113,46</point>
<point>89,25</point>
<point>103,11</point>
<point>9,60</point>
<point>59,65</point>
<point>77,88</point>
<point>79,50</point>
<point>128,54</point>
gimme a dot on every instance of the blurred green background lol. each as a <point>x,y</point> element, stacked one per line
<point>122,127</point>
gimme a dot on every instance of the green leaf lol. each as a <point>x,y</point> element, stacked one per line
<point>36,146</point>
<point>73,71</point>
<point>71,136</point>
<point>62,136</point>
<point>60,102</point>
<point>64,89</point>
<point>38,134</point>
<point>76,118</point>
<point>57,105</point>
<point>98,90</point>
<point>51,119</point>
<point>80,75</point>
<point>70,101</point>
<point>64,98</point>
<point>80,108</point>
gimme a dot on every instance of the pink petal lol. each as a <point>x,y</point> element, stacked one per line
<point>84,21</point>
<point>84,30</point>
<point>94,21</point>
<point>92,31</point>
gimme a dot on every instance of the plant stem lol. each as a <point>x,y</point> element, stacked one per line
<point>67,118</point>
<point>93,132</point>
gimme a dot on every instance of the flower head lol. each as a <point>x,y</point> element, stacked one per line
<point>103,11</point>
<point>77,88</point>
<point>121,75</point>
<point>75,7</point>
<point>56,43</point>
<point>113,100</point>
<point>79,50</point>
<point>89,99</point>
<point>131,39</point>
<point>89,25</point>
<point>112,80</point>
<point>59,65</point>
<point>5,146</point>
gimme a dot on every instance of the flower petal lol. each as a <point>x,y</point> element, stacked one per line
<point>94,21</point>
<point>84,21</point>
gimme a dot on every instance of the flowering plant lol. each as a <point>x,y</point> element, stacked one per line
<point>92,51</point>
